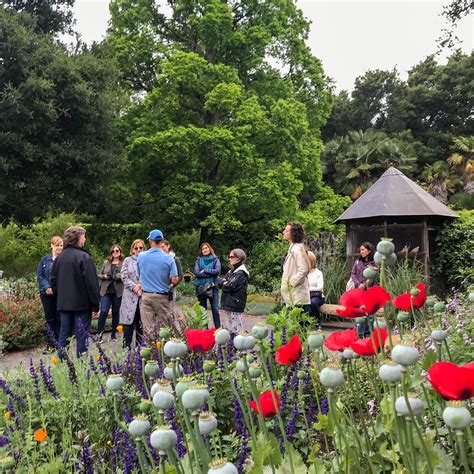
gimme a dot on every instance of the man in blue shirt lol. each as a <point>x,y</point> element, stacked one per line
<point>158,275</point>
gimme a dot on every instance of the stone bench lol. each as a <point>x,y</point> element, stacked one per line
<point>330,309</point>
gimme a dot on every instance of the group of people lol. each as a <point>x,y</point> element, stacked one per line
<point>140,289</point>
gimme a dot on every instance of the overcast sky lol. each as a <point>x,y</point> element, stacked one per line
<point>350,37</point>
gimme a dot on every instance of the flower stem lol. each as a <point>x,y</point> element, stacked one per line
<point>462,451</point>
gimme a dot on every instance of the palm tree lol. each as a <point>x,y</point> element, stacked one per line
<point>440,180</point>
<point>462,161</point>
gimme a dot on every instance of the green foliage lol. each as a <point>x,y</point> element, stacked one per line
<point>455,242</point>
<point>57,144</point>
<point>196,318</point>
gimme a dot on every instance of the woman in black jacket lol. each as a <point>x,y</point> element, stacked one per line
<point>234,292</point>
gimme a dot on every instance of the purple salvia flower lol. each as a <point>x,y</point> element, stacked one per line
<point>4,441</point>
<point>86,464</point>
<point>324,406</point>
<point>244,453</point>
<point>48,380</point>
<point>35,378</point>
<point>283,335</point>
<point>180,445</point>
<point>4,386</point>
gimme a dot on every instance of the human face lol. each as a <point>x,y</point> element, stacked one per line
<point>115,252</point>
<point>165,247</point>
<point>233,259</point>
<point>82,240</point>
<point>138,248</point>
<point>57,248</point>
<point>364,251</point>
<point>287,233</point>
<point>205,250</point>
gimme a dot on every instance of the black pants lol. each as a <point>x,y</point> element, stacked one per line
<point>129,328</point>
<point>52,316</point>
<point>106,302</point>
<point>214,301</point>
<point>316,303</point>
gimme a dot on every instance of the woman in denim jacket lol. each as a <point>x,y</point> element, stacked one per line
<point>48,299</point>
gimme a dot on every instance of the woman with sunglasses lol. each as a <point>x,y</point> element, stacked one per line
<point>111,289</point>
<point>130,307</point>
<point>234,292</point>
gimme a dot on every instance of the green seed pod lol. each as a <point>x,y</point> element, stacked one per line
<point>415,292</point>
<point>139,426</point>
<point>431,301</point>
<point>195,397</point>
<point>255,371</point>
<point>209,366</point>
<point>405,354</point>
<point>331,377</point>
<point>165,333</point>
<point>175,348</point>
<point>6,463</point>
<point>315,340</point>
<point>439,335</point>
<point>151,368</point>
<point>260,331</point>
<point>170,370</point>
<point>349,354</point>
<point>391,259</point>
<point>378,257</point>
<point>114,382</point>
<point>439,307</point>
<point>301,374</point>
<point>163,438</point>
<point>183,384</point>
<point>456,415</point>
<point>470,297</point>
<point>240,366</point>
<point>144,406</point>
<point>390,372</point>
<point>160,384</point>
<point>403,316</point>
<point>163,400</point>
<point>385,247</point>
<point>361,320</point>
<point>145,353</point>
<point>416,405</point>
<point>244,342</point>
<point>207,423</point>
<point>222,336</point>
<point>370,273</point>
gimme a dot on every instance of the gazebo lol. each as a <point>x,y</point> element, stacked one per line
<point>396,207</point>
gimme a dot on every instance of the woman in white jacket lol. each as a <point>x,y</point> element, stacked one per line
<point>316,286</point>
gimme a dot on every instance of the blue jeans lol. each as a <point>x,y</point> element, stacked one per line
<point>363,330</point>
<point>78,322</point>
<point>316,303</point>
<point>106,302</point>
<point>214,300</point>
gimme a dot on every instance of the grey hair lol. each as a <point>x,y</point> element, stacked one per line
<point>72,235</point>
<point>240,254</point>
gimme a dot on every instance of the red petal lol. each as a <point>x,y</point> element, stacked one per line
<point>350,312</point>
<point>452,382</point>
<point>200,340</point>
<point>290,353</point>
<point>375,298</point>
<point>370,346</point>
<point>354,298</point>
<point>338,341</point>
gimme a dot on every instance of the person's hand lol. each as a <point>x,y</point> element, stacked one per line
<point>49,291</point>
<point>95,314</point>
<point>362,286</point>
<point>137,289</point>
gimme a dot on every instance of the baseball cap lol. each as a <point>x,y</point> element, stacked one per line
<point>155,234</point>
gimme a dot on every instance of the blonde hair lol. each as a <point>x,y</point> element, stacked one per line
<point>312,260</point>
<point>136,242</point>
<point>55,239</point>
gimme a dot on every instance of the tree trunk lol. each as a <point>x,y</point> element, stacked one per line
<point>203,236</point>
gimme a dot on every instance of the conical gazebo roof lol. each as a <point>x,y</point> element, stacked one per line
<point>395,195</point>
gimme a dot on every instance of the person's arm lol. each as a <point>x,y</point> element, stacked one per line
<point>126,279</point>
<point>90,281</point>
<point>301,268</point>
<point>54,277</point>
<point>319,281</point>
<point>215,270</point>
<point>102,275</point>
<point>43,283</point>
<point>174,278</point>
<point>197,271</point>
<point>355,277</point>
<point>235,282</point>
<point>180,270</point>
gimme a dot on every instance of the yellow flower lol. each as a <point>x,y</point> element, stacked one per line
<point>120,328</point>
<point>40,435</point>
<point>109,443</point>
<point>158,344</point>
<point>97,357</point>
<point>54,360</point>
<point>7,415</point>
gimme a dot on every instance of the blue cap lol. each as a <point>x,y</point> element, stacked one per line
<point>155,234</point>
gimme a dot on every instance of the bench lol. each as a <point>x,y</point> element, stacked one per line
<point>330,309</point>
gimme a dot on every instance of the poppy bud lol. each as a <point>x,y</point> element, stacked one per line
<point>456,415</point>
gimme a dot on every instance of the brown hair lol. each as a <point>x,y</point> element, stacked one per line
<point>135,243</point>
<point>296,232</point>
<point>210,248</point>
<point>72,235</point>
<point>55,239</point>
<point>111,257</point>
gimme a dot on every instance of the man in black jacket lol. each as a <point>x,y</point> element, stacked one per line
<point>74,281</point>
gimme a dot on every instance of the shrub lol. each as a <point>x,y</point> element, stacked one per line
<point>455,241</point>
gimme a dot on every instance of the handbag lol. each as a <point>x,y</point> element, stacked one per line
<point>205,290</point>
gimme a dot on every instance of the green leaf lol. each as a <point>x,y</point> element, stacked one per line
<point>428,360</point>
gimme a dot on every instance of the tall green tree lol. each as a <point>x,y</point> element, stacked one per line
<point>227,134</point>
<point>57,116</point>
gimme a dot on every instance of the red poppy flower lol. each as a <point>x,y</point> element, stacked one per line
<point>359,302</point>
<point>267,404</point>
<point>452,382</point>
<point>370,346</point>
<point>290,353</point>
<point>404,300</point>
<point>200,340</point>
<point>338,341</point>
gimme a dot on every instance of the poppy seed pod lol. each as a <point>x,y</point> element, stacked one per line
<point>222,466</point>
<point>456,415</point>
<point>391,259</point>
<point>145,353</point>
<point>183,384</point>
<point>415,292</point>
<point>348,354</point>
<point>170,370</point>
<point>439,307</point>
<point>151,368</point>
<point>255,371</point>
<point>222,336</point>
<point>144,406</point>
<point>470,297</point>
<point>114,382</point>
<point>405,354</point>
<point>439,335</point>
<point>331,377</point>
<point>195,397</point>
<point>378,257</point>
<point>175,348</point>
<point>165,333</point>
<point>163,438</point>
<point>431,301</point>
<point>207,423</point>
<point>415,403</point>
<point>209,366</point>
<point>390,372</point>
<point>163,400</point>
<point>403,316</point>
<point>6,463</point>
<point>386,247</point>
<point>244,342</point>
<point>260,331</point>
<point>240,366</point>
<point>139,426</point>
<point>315,340</point>
<point>160,384</point>
<point>370,273</point>
<point>381,323</point>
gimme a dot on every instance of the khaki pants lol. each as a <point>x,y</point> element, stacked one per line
<point>156,311</point>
